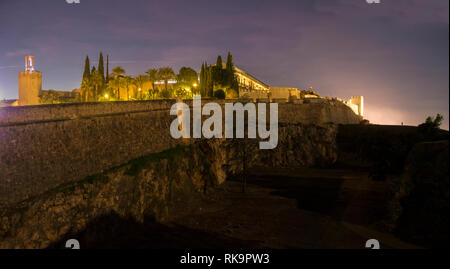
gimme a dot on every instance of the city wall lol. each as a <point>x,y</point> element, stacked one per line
<point>44,146</point>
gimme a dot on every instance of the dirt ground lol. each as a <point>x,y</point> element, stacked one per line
<point>296,208</point>
<point>280,208</point>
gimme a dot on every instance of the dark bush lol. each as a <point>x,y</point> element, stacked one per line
<point>219,94</point>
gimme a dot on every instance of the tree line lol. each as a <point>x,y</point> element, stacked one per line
<point>98,84</point>
<point>216,80</point>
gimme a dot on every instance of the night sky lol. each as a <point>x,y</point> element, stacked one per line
<point>394,53</point>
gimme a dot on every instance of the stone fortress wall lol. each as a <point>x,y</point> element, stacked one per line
<point>356,103</point>
<point>30,87</point>
<point>44,146</point>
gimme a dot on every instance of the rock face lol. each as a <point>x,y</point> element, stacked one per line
<point>46,146</point>
<point>320,111</point>
<point>150,185</point>
<point>420,203</point>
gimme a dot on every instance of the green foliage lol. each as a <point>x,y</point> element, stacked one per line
<point>232,94</point>
<point>107,69</point>
<point>231,80</point>
<point>101,68</point>
<point>128,81</point>
<point>166,73</point>
<point>49,97</point>
<point>211,78</point>
<point>166,94</point>
<point>430,128</point>
<point>87,68</point>
<point>86,86</point>
<point>218,74</point>
<point>117,81</point>
<point>203,80</point>
<point>219,94</point>
<point>209,81</point>
<point>182,93</point>
<point>433,123</point>
<point>138,164</point>
<point>139,82</point>
<point>97,82</point>
<point>216,77</point>
<point>118,71</point>
<point>153,76</point>
<point>187,76</point>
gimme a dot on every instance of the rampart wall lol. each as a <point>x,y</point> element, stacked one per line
<point>44,146</point>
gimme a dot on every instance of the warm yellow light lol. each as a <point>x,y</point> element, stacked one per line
<point>195,84</point>
<point>139,89</point>
<point>106,95</point>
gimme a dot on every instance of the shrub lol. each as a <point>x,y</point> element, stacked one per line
<point>430,128</point>
<point>166,94</point>
<point>232,94</point>
<point>219,94</point>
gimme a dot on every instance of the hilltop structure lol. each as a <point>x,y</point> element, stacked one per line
<point>356,103</point>
<point>253,88</point>
<point>31,93</point>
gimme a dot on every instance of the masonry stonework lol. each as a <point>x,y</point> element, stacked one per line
<point>42,147</point>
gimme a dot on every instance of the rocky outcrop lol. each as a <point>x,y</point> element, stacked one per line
<point>318,111</point>
<point>420,203</point>
<point>151,185</point>
<point>49,145</point>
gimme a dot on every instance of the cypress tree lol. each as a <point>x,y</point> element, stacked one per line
<point>202,80</point>
<point>229,70</point>
<point>209,79</point>
<point>87,68</point>
<point>219,62</point>
<point>107,68</point>
<point>101,68</point>
<point>217,74</point>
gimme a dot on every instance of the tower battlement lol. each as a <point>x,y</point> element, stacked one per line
<point>356,103</point>
<point>30,83</point>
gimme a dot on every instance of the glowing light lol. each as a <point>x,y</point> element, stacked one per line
<point>195,85</point>
<point>106,95</point>
<point>139,89</point>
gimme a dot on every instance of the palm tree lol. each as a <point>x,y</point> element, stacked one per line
<point>97,81</point>
<point>114,84</point>
<point>128,81</point>
<point>153,77</point>
<point>85,89</point>
<point>117,75</point>
<point>166,73</point>
<point>139,82</point>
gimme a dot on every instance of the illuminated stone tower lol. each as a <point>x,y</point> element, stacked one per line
<point>359,101</point>
<point>30,84</point>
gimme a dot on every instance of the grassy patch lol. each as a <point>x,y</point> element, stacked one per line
<point>73,184</point>
<point>140,163</point>
<point>136,165</point>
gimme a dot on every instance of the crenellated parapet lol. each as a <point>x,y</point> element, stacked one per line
<point>30,84</point>
<point>356,103</point>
